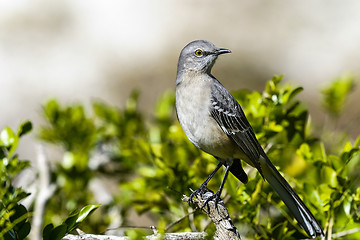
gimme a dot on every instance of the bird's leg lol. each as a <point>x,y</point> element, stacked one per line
<point>201,188</point>
<point>217,195</point>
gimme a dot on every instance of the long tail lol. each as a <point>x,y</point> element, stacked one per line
<point>302,214</point>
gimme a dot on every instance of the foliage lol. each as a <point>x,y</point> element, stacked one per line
<point>118,158</point>
<point>154,165</point>
<point>70,224</point>
<point>336,93</point>
<point>14,217</point>
<point>108,135</point>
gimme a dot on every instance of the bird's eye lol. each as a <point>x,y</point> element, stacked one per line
<point>198,53</point>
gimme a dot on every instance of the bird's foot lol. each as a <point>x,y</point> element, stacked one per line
<point>206,195</point>
<point>214,197</point>
<point>200,191</point>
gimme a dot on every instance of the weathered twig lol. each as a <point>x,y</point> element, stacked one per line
<point>44,192</point>
<point>218,214</point>
<point>166,236</point>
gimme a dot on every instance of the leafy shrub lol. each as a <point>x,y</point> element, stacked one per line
<point>14,217</point>
<point>146,165</point>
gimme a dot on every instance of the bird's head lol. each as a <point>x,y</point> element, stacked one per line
<point>199,56</point>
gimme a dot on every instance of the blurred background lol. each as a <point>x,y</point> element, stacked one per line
<point>78,51</point>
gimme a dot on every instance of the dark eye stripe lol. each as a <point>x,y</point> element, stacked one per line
<point>206,53</point>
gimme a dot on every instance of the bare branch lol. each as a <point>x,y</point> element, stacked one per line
<point>44,192</point>
<point>218,214</point>
<point>166,236</point>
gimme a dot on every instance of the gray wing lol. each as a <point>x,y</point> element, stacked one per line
<point>232,120</point>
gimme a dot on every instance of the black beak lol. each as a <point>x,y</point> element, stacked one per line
<point>221,51</point>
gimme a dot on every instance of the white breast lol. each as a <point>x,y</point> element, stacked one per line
<point>193,110</point>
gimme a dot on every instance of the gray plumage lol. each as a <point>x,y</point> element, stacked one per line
<point>214,122</point>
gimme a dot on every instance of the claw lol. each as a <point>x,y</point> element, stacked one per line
<point>215,197</point>
<point>193,194</point>
<point>202,188</point>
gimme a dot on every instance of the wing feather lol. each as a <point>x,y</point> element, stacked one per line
<point>231,118</point>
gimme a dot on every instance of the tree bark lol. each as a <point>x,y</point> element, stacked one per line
<point>167,236</point>
<point>218,214</point>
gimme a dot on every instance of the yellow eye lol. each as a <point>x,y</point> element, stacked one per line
<point>198,53</point>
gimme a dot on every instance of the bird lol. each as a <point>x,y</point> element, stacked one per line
<point>215,123</point>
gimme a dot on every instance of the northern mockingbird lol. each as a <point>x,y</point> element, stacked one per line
<point>215,123</point>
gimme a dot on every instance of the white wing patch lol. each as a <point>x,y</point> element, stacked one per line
<point>229,114</point>
<point>218,108</point>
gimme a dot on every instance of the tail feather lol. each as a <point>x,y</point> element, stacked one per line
<point>302,214</point>
<point>237,170</point>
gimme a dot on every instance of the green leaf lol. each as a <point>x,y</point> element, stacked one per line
<point>131,104</point>
<point>271,85</point>
<point>82,215</point>
<point>47,231</point>
<point>293,93</point>
<point>9,140</point>
<point>347,205</point>
<point>357,142</point>
<point>86,211</point>
<point>71,222</point>
<point>165,106</point>
<point>20,213</point>
<point>304,151</point>
<point>59,232</point>
<point>330,175</point>
<point>24,128</point>
<point>7,137</point>
<point>51,110</point>
<point>24,230</point>
<point>335,95</point>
